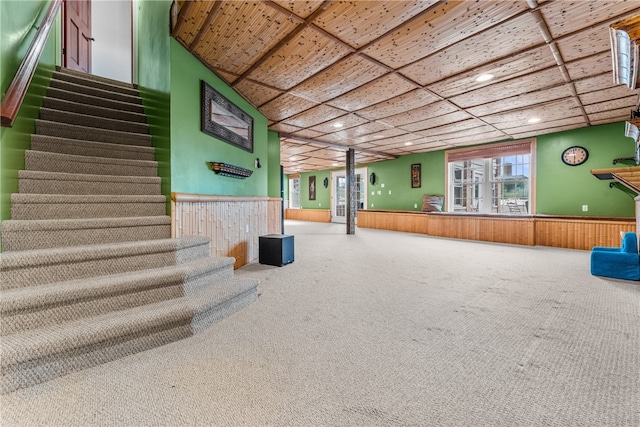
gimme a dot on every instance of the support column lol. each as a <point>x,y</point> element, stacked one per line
<point>352,201</point>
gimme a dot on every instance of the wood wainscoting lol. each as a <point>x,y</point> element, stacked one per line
<point>233,223</point>
<point>558,231</point>
<point>315,215</point>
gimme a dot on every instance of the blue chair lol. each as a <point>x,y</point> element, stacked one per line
<point>619,263</point>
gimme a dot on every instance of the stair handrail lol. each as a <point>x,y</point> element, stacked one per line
<point>16,92</point>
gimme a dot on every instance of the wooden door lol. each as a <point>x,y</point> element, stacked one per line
<point>77,35</point>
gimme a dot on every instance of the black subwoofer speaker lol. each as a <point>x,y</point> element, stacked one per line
<point>276,249</point>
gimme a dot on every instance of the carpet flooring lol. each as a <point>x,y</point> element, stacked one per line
<point>382,329</point>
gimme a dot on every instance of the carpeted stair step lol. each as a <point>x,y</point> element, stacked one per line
<point>95,82</point>
<point>37,182</point>
<point>18,235</point>
<point>87,90</point>
<point>92,110</point>
<point>92,121</point>
<point>55,303</point>
<point>41,266</point>
<point>65,130</point>
<point>84,99</point>
<point>69,163</point>
<point>58,206</point>
<point>39,355</point>
<point>54,144</point>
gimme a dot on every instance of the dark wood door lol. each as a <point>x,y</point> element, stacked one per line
<point>77,35</point>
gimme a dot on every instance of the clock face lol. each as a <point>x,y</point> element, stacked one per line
<point>574,156</point>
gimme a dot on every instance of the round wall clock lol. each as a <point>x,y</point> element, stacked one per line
<point>574,156</point>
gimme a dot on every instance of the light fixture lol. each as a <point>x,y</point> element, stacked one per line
<point>372,178</point>
<point>408,143</point>
<point>533,120</point>
<point>258,165</point>
<point>337,125</point>
<point>334,164</point>
<point>325,182</point>
<point>484,77</point>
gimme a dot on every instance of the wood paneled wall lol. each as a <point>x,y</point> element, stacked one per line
<point>315,215</point>
<point>557,231</point>
<point>233,223</point>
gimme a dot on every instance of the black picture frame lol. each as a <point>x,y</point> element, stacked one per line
<point>312,187</point>
<point>416,175</point>
<point>224,120</point>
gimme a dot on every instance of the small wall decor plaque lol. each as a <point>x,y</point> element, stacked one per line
<point>312,187</point>
<point>416,175</point>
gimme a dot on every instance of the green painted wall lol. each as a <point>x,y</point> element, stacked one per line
<point>154,81</point>
<point>191,148</point>
<point>560,189</point>
<point>17,29</point>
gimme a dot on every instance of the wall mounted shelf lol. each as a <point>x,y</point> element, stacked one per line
<point>225,169</point>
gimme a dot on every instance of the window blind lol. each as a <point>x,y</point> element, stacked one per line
<point>490,151</point>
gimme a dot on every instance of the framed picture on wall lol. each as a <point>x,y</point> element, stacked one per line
<point>416,175</point>
<point>312,187</point>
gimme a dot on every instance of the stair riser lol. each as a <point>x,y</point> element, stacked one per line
<point>91,81</point>
<point>87,186</point>
<point>91,110</point>
<point>63,130</point>
<point>115,96</point>
<point>46,162</point>
<point>91,121</point>
<point>93,149</point>
<point>183,324</point>
<point>28,211</point>
<point>113,263</point>
<point>94,100</point>
<point>121,297</point>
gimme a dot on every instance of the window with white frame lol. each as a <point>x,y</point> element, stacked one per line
<point>495,178</point>
<point>294,192</point>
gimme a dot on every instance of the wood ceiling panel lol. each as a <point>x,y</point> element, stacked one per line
<point>345,75</point>
<point>368,128</point>
<point>526,84</point>
<point>449,23</point>
<point>407,101</point>
<point>256,93</point>
<point>300,149</point>
<point>348,121</point>
<point>539,128</point>
<point>522,101</point>
<point>416,118</point>
<point>303,56</point>
<point>546,112</point>
<point>315,116</point>
<point>585,43</point>
<point>227,77</point>
<point>371,93</point>
<point>436,109</point>
<point>284,128</point>
<point>300,8</point>
<point>308,133</point>
<point>514,45</point>
<point>523,135</point>
<point>629,102</point>
<point>198,13</point>
<point>472,125</point>
<point>379,136</point>
<point>515,66</point>
<point>224,47</point>
<point>347,19</point>
<point>564,17</point>
<point>590,66</point>
<point>286,106</point>
<point>594,83</point>
<point>609,116</point>
<point>615,92</point>
<point>400,139</point>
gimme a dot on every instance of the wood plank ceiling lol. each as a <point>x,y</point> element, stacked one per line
<point>390,78</point>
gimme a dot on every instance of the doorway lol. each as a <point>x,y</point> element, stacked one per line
<point>339,194</point>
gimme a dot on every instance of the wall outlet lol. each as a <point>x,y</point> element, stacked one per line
<point>246,228</point>
<point>379,192</point>
<point>371,204</point>
<point>382,185</point>
<point>415,206</point>
<point>373,193</point>
<point>585,208</point>
<point>319,204</point>
<point>389,192</point>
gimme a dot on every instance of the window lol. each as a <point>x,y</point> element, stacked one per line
<point>491,179</point>
<point>294,192</point>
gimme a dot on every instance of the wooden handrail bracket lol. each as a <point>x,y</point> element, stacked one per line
<point>18,89</point>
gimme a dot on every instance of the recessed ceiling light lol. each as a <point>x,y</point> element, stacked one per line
<point>408,143</point>
<point>334,164</point>
<point>533,120</point>
<point>377,136</point>
<point>337,125</point>
<point>484,77</point>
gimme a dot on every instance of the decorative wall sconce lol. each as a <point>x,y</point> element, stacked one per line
<point>325,182</point>
<point>372,178</point>
<point>225,169</point>
<point>258,165</point>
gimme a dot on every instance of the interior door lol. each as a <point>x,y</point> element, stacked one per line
<point>77,35</point>
<point>339,194</point>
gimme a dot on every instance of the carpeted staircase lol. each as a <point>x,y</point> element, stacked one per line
<point>89,272</point>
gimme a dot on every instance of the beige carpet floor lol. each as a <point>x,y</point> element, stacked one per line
<point>382,329</point>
